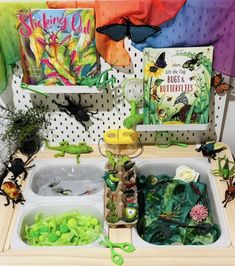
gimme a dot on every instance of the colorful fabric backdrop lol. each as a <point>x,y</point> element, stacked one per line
<point>140,12</point>
<point>9,42</point>
<point>201,23</point>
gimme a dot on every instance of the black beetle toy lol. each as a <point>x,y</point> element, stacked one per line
<point>12,193</point>
<point>81,113</point>
<point>18,167</point>
<point>3,174</point>
<point>208,150</point>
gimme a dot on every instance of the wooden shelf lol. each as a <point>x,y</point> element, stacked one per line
<point>171,127</point>
<point>61,89</point>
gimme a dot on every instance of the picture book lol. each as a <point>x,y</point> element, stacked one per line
<point>177,85</point>
<point>57,45</point>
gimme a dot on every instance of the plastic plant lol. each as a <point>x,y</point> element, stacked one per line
<point>65,147</point>
<point>114,161</point>
<point>24,127</point>
<point>112,217</point>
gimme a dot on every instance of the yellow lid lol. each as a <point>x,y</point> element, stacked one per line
<point>120,136</point>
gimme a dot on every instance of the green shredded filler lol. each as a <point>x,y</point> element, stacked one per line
<point>67,229</point>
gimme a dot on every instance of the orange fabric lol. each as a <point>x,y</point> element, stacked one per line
<point>140,12</point>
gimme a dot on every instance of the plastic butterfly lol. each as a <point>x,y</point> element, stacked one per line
<point>182,98</point>
<point>194,61</point>
<point>160,63</point>
<point>137,33</point>
<point>219,84</point>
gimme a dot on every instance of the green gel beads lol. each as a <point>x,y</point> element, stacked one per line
<point>67,229</point>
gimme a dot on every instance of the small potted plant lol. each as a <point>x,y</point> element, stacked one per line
<point>24,127</point>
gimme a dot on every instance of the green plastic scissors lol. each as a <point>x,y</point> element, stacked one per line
<point>163,140</point>
<point>115,256</point>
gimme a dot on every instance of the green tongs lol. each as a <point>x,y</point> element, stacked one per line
<point>115,256</point>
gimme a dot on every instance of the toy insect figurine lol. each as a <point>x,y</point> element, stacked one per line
<point>224,171</point>
<point>209,150</point>
<point>12,193</point>
<point>219,84</point>
<point>59,190</point>
<point>80,113</point>
<point>88,192</point>
<point>18,167</point>
<point>230,192</point>
<point>228,174</point>
<point>100,80</point>
<point>137,33</point>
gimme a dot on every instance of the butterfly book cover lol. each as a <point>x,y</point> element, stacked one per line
<point>57,45</point>
<point>177,85</point>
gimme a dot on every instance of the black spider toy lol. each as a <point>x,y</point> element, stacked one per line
<point>80,113</point>
<point>208,150</point>
<point>18,167</point>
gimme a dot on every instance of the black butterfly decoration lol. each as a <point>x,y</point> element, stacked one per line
<point>160,63</point>
<point>137,33</point>
<point>194,61</point>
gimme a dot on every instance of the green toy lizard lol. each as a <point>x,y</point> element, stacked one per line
<point>65,147</point>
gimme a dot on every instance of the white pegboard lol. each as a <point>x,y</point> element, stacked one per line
<point>112,109</point>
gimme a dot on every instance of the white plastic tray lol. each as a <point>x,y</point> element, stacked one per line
<point>168,166</point>
<point>93,204</point>
<point>50,204</point>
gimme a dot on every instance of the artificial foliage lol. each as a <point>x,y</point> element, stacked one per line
<point>165,205</point>
<point>22,124</point>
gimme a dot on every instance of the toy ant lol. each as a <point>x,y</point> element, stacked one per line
<point>80,113</point>
<point>209,151</point>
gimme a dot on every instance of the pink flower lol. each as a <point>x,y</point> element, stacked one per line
<point>199,213</point>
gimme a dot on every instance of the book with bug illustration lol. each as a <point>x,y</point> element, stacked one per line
<point>57,46</point>
<point>177,85</point>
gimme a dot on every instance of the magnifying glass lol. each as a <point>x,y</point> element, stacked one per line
<point>163,140</point>
<point>133,92</point>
